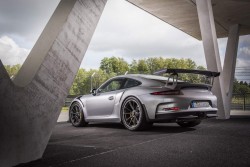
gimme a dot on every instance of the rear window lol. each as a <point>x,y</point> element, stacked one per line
<point>131,83</point>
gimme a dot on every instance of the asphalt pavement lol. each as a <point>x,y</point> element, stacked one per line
<point>212,143</point>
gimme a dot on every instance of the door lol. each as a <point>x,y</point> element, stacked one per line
<point>102,104</point>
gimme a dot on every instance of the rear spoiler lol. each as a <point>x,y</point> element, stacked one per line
<point>176,71</point>
<point>174,75</point>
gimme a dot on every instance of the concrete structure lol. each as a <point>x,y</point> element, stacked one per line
<point>208,20</point>
<point>230,63</point>
<point>208,33</point>
<point>183,15</point>
<point>30,105</point>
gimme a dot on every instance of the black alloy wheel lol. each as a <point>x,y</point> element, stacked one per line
<point>76,115</point>
<point>132,115</point>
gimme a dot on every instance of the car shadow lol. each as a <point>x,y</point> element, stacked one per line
<point>169,128</point>
<point>107,125</point>
<point>156,128</point>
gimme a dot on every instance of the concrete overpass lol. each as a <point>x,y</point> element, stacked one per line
<point>183,14</point>
<point>34,99</point>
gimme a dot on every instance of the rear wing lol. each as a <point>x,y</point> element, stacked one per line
<point>176,71</point>
<point>174,74</point>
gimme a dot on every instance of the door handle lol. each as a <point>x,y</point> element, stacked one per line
<point>111,97</point>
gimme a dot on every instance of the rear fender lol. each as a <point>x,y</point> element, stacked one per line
<point>127,94</point>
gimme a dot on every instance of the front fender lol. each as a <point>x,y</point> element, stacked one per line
<point>78,100</point>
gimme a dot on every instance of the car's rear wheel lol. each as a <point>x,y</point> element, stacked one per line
<point>186,124</point>
<point>133,116</point>
<point>76,115</point>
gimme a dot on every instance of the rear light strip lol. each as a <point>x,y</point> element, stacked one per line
<point>171,109</point>
<point>169,92</point>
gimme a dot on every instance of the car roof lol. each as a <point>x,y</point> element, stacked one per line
<point>145,79</point>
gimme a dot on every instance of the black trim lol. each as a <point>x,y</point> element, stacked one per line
<point>173,117</point>
<point>79,97</point>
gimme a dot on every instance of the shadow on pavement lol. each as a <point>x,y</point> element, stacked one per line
<point>156,128</point>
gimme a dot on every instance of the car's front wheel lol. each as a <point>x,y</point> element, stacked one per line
<point>133,116</point>
<point>187,124</point>
<point>76,116</point>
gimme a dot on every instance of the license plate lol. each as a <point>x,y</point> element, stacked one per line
<point>200,104</point>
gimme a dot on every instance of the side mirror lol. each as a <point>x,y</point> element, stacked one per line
<point>93,92</point>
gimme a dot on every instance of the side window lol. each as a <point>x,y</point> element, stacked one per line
<point>112,85</point>
<point>131,83</point>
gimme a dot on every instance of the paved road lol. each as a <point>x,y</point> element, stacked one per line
<point>213,143</point>
<point>64,115</point>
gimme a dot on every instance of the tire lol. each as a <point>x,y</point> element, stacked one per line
<point>133,116</point>
<point>187,124</point>
<point>76,116</point>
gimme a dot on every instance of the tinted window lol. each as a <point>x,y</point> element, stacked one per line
<point>112,85</point>
<point>131,83</point>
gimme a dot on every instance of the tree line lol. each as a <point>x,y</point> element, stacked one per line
<point>240,87</point>
<point>112,66</point>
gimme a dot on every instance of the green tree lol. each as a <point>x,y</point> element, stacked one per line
<point>201,68</point>
<point>114,65</point>
<point>142,66</point>
<point>243,89</point>
<point>12,70</point>
<point>191,64</point>
<point>133,67</point>
<point>155,64</point>
<point>82,81</point>
<point>79,83</point>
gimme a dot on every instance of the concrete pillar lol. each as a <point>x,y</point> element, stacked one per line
<point>30,106</point>
<point>210,44</point>
<point>230,63</point>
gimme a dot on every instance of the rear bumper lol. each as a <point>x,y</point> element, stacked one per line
<point>184,115</point>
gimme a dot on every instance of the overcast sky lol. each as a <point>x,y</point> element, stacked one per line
<point>123,30</point>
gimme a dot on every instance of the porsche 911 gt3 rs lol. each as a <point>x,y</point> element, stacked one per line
<point>137,101</point>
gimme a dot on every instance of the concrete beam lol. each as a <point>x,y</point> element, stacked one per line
<point>230,63</point>
<point>30,106</point>
<point>210,44</point>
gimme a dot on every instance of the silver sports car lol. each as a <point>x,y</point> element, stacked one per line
<point>137,101</point>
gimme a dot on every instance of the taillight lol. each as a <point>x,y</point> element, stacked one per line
<point>171,109</point>
<point>169,92</point>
